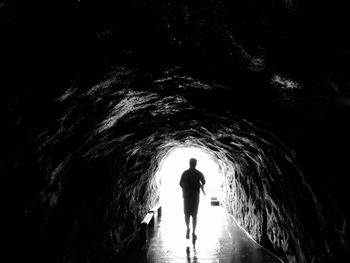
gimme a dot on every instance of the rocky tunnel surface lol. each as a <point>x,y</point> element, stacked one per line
<point>85,131</point>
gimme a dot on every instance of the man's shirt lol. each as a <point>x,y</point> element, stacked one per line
<point>191,182</point>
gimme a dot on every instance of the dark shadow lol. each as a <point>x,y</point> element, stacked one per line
<point>188,254</point>
<point>192,259</point>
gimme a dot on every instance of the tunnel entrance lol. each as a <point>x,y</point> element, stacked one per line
<point>174,163</point>
<point>218,236</point>
<point>170,171</point>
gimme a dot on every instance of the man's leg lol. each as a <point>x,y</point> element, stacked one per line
<point>194,225</point>
<point>194,218</point>
<point>187,221</point>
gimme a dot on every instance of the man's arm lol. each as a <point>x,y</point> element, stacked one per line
<point>202,179</point>
<point>182,180</point>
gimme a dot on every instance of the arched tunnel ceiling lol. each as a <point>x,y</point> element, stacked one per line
<point>93,102</point>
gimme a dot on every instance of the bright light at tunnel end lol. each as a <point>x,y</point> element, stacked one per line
<point>171,167</point>
<point>175,163</point>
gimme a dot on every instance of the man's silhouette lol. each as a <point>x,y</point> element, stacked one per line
<point>191,182</point>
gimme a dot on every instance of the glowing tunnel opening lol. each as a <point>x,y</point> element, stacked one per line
<point>171,169</point>
<point>169,174</point>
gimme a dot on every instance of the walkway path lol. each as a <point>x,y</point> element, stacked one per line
<point>220,240</point>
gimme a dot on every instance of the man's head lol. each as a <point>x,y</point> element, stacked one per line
<point>193,163</point>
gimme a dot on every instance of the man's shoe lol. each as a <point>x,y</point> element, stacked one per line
<point>188,234</point>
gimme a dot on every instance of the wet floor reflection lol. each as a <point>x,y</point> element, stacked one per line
<point>191,258</point>
<point>219,239</point>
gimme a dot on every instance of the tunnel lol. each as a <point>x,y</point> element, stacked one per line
<point>97,94</point>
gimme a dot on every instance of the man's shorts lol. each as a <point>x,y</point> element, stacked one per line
<point>191,205</point>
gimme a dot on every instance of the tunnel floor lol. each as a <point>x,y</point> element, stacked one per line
<point>219,239</point>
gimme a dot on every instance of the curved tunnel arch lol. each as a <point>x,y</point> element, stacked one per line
<point>101,180</point>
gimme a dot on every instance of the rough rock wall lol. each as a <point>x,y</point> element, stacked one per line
<point>82,189</point>
<point>268,197</point>
<point>86,179</point>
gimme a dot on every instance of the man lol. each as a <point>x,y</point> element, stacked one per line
<point>191,182</point>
